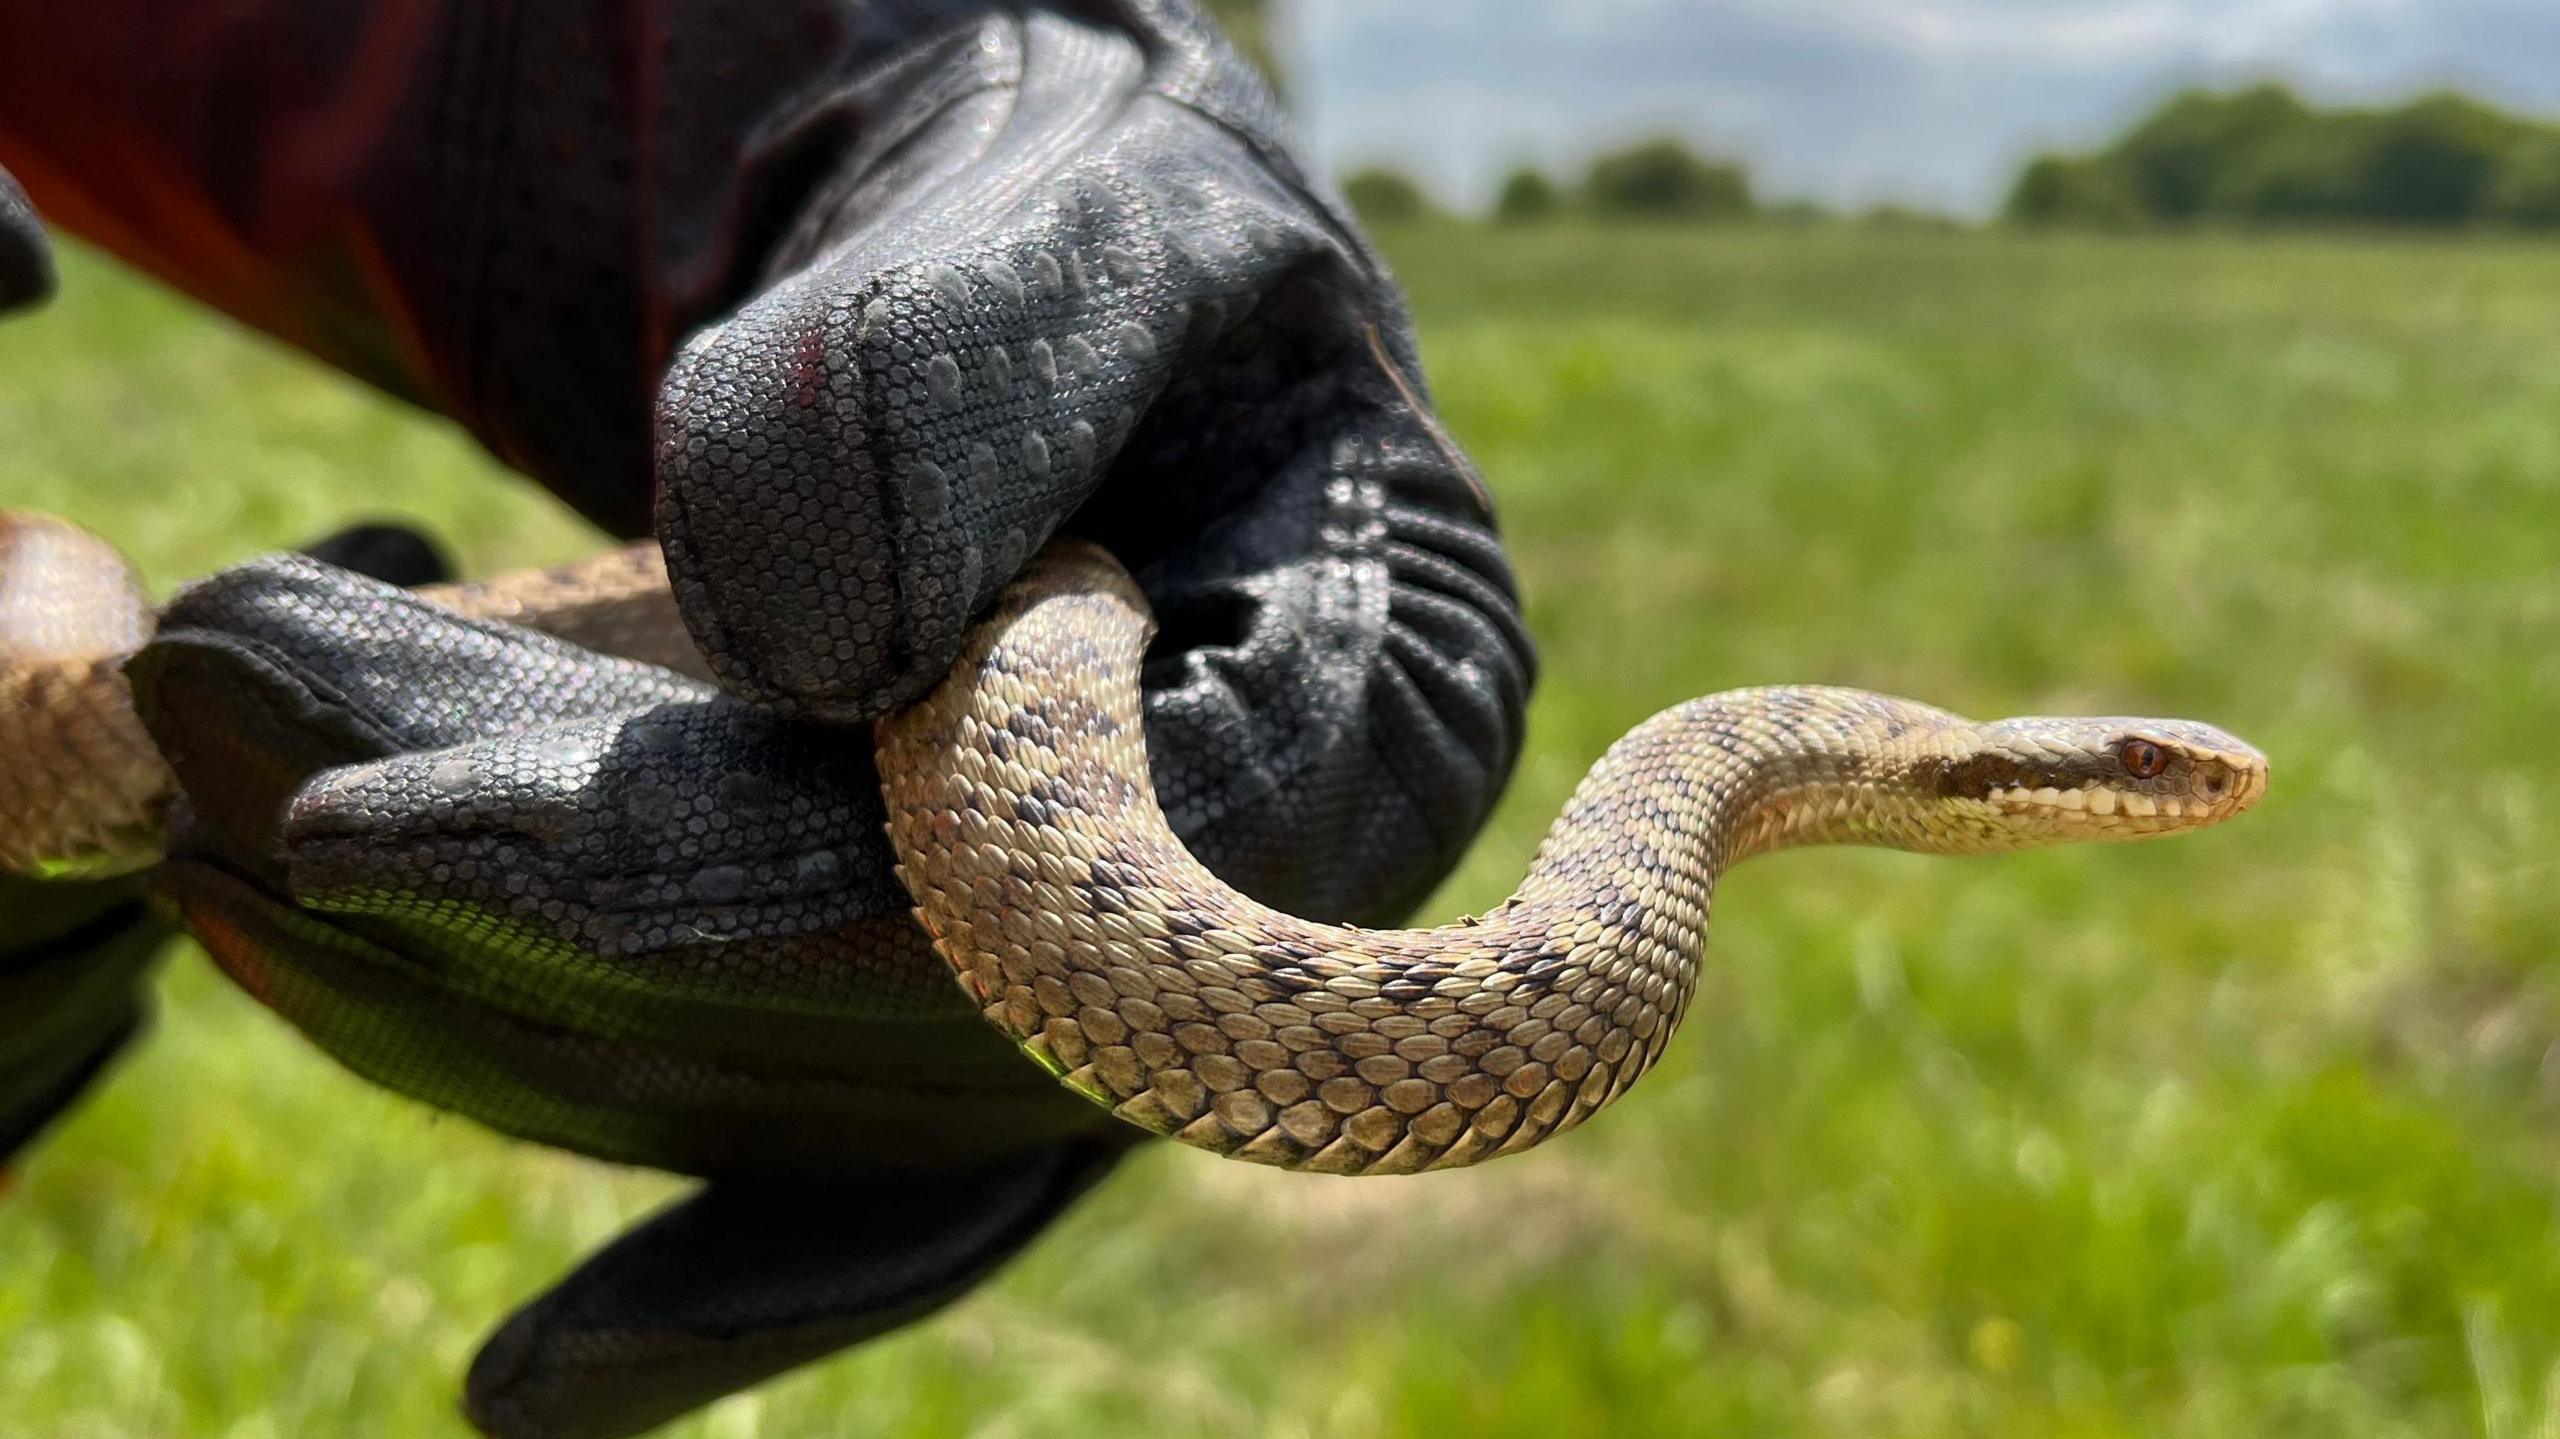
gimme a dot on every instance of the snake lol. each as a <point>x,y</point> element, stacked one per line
<point>1028,835</point>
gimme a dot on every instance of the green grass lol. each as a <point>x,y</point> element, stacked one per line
<point>2254,1134</point>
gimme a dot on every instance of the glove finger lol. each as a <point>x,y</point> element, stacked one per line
<point>26,262</point>
<point>565,847</point>
<point>1328,725</point>
<point>744,1282</point>
<point>38,1089</point>
<point>1340,668</point>
<point>72,960</point>
<point>854,463</point>
<point>702,877</point>
<point>277,669</point>
<point>687,823</point>
<point>706,1093</point>
<point>394,554</point>
<point>388,1017</point>
<point>40,1086</point>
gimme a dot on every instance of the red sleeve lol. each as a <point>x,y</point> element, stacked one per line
<point>508,211</point>
<point>222,147</point>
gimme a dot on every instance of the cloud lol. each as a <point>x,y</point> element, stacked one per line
<point>1855,101</point>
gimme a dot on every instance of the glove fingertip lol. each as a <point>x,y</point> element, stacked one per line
<point>492,1390</point>
<point>244,728</point>
<point>850,609</point>
<point>853,466</point>
<point>394,554</point>
<point>31,1114</point>
<point>26,262</point>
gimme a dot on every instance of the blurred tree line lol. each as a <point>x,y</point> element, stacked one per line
<point>2263,156</point>
<point>1653,179</point>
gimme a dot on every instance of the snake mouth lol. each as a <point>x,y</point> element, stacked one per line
<point>2098,802</point>
<point>2099,809</point>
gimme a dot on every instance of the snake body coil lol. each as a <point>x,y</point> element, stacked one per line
<point>1028,834</point>
<point>81,785</point>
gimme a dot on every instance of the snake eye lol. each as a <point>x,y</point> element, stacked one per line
<point>2141,758</point>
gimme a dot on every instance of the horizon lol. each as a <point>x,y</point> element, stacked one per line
<point>1933,104</point>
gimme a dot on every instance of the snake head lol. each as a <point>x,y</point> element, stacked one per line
<point>2054,780</point>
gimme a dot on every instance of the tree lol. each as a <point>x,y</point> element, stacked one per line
<point>2172,160</point>
<point>2435,161</point>
<point>2527,191</point>
<point>2315,174</point>
<point>1528,196</point>
<point>1664,179</point>
<point>1801,213</point>
<point>1387,197</point>
<point>1913,219</point>
<point>2072,190</point>
<point>2262,156</point>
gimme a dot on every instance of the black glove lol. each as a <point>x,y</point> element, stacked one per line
<point>73,954</point>
<point>26,263</point>
<point>1038,273</point>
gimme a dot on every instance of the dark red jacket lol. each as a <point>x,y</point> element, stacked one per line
<point>506,212</point>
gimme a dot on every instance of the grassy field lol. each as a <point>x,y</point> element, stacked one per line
<point>2255,1134</point>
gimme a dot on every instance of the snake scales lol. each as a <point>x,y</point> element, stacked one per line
<point>1029,836</point>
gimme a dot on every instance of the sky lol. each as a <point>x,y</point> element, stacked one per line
<point>1853,102</point>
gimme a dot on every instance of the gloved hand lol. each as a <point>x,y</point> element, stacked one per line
<point>974,274</point>
<point>634,918</point>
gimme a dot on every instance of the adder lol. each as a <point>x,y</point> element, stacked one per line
<point>1027,829</point>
